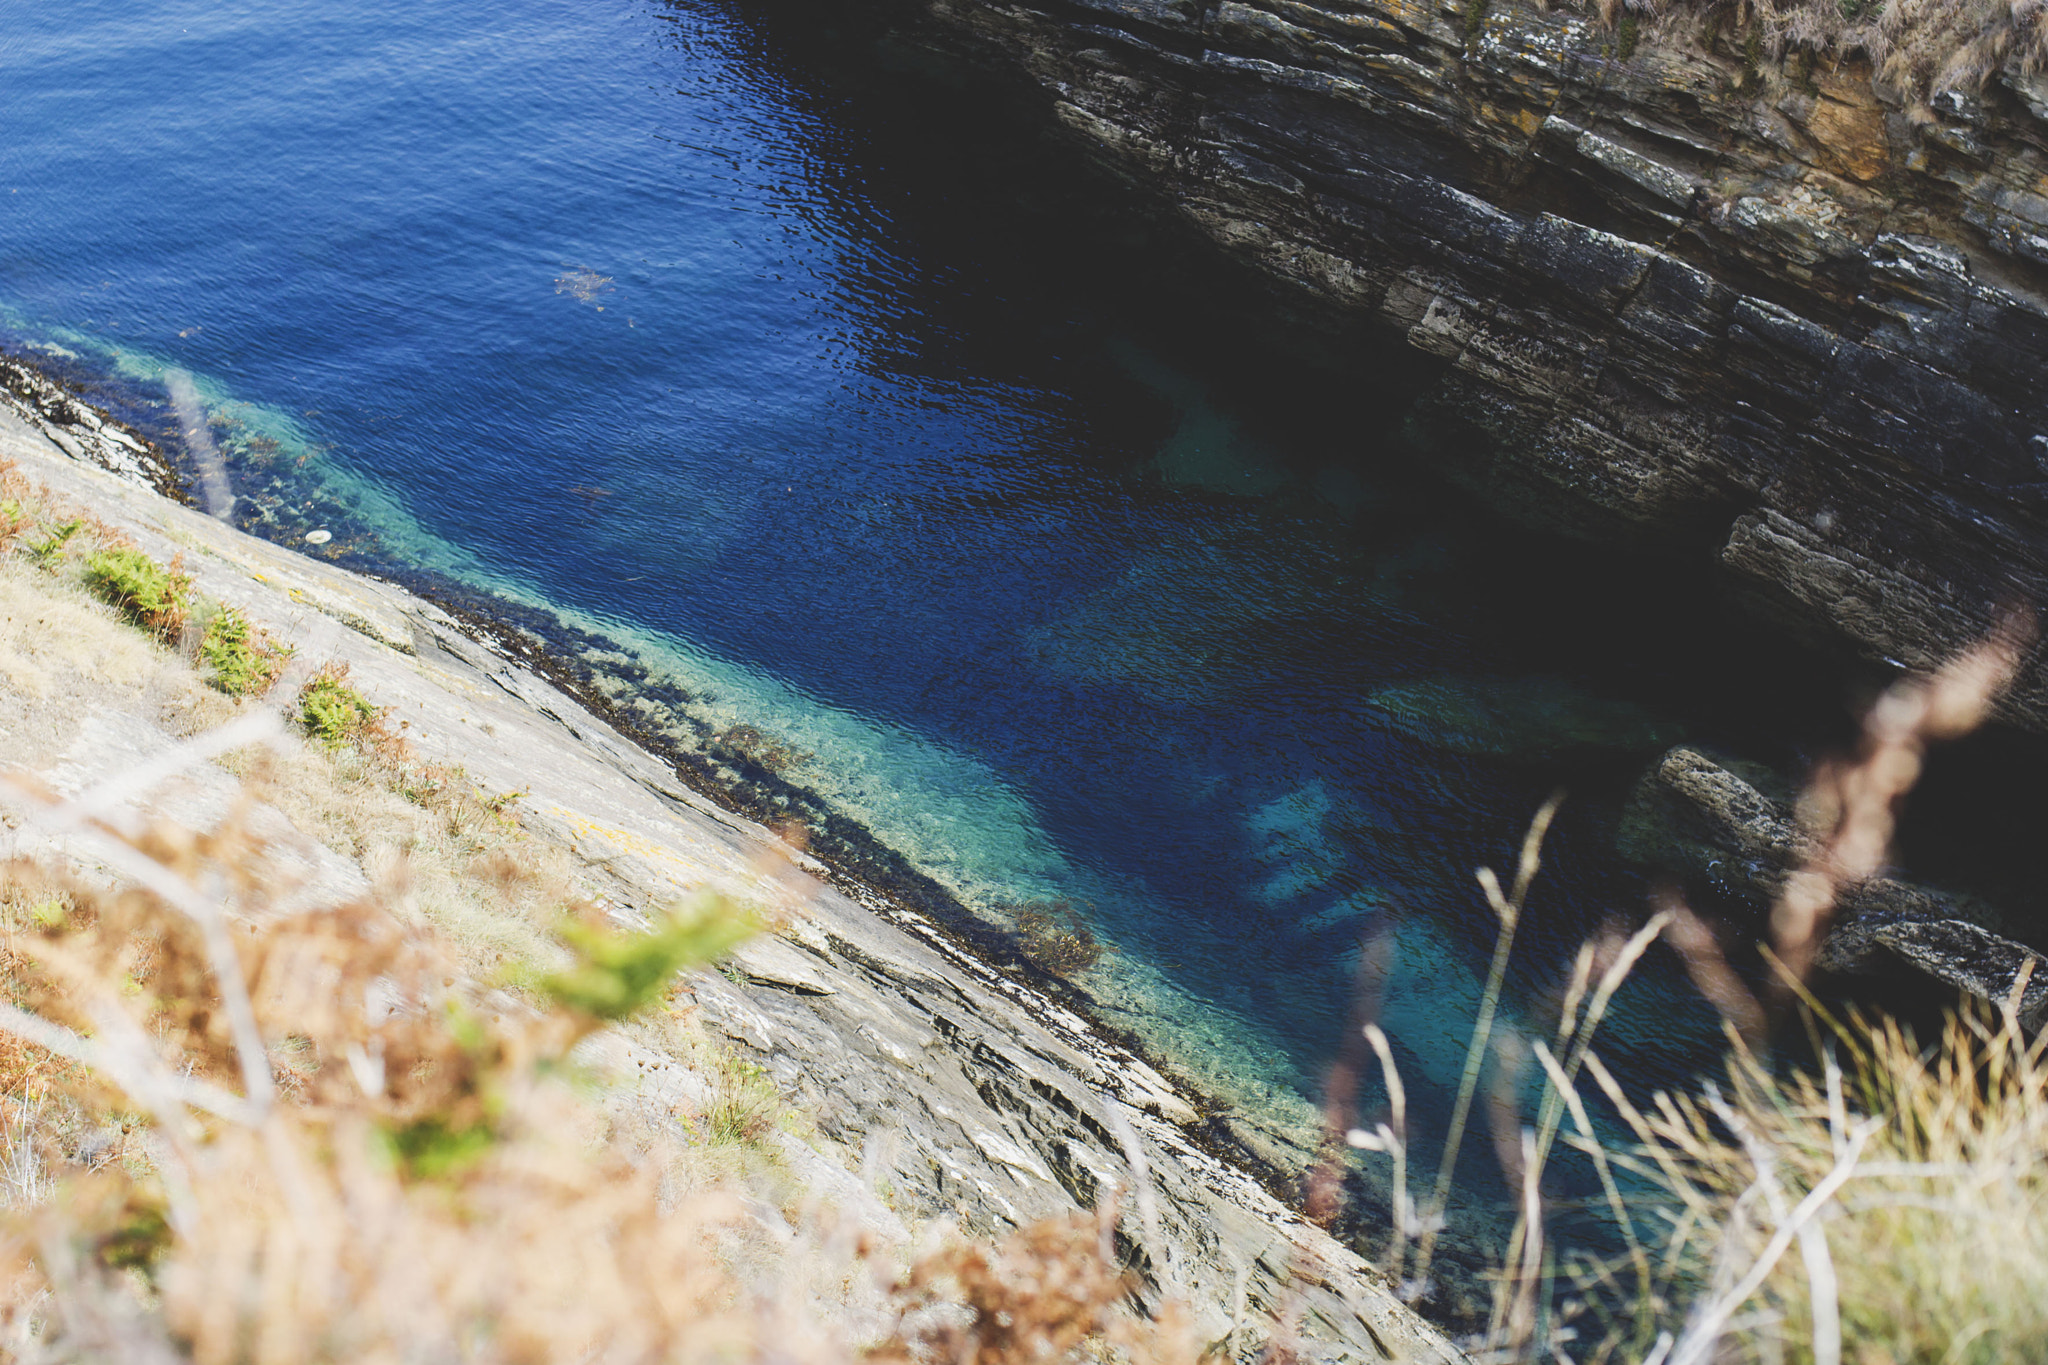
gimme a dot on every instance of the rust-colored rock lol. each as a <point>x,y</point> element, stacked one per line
<point>1848,125</point>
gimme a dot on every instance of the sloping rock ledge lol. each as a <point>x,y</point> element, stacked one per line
<point>965,1093</point>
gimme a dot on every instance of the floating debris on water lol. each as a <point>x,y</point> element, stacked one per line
<point>319,537</point>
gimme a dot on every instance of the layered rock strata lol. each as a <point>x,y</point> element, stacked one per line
<point>1682,294</point>
<point>950,1090</point>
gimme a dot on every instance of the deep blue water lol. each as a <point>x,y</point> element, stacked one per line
<point>1060,581</point>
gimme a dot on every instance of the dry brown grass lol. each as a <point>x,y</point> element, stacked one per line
<point>1042,1294</point>
<point>348,1156</point>
<point>439,1189</point>
<point>1910,1178</point>
<point>440,849</point>
<point>1920,47</point>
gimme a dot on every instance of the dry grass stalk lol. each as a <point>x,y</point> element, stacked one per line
<point>1850,809</point>
<point>1507,909</point>
<point>1888,1176</point>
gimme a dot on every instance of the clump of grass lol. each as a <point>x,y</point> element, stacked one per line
<point>333,712</point>
<point>1889,1167</point>
<point>1751,79</point>
<point>1896,1202</point>
<point>153,596</point>
<point>1053,935</point>
<point>1922,47</point>
<point>743,1106</point>
<point>244,657</point>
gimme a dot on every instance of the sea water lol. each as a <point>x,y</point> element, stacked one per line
<point>831,420</point>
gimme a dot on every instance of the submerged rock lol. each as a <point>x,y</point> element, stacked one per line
<point>1517,718</point>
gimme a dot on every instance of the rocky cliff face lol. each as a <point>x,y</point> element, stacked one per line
<point>1682,294</point>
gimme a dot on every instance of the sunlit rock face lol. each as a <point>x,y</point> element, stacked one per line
<point>1684,295</point>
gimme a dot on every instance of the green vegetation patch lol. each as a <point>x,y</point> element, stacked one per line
<point>146,592</point>
<point>333,712</point>
<point>433,1148</point>
<point>47,550</point>
<point>244,658</point>
<point>743,1107</point>
<point>15,521</point>
<point>1475,24</point>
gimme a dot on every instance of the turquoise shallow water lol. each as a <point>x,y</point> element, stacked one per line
<point>810,394</point>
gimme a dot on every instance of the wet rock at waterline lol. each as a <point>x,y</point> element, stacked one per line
<point>1730,827</point>
<point>81,430</point>
<point>1964,955</point>
<point>1770,316</point>
<point>1714,820</point>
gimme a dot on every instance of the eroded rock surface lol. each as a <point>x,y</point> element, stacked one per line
<point>1963,955</point>
<point>1683,296</point>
